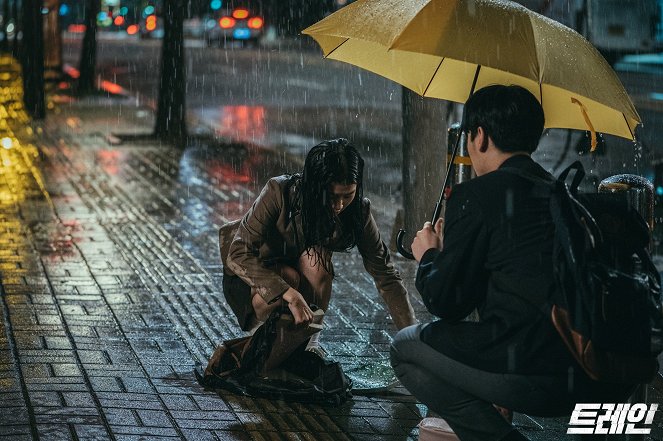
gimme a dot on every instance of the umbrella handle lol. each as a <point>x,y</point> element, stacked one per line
<point>399,244</point>
<point>438,207</point>
<point>401,233</point>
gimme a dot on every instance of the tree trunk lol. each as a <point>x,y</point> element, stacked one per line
<point>424,158</point>
<point>52,42</point>
<point>33,60</point>
<point>171,106</point>
<point>88,63</point>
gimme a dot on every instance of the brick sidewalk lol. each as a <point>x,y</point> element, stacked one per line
<point>111,289</point>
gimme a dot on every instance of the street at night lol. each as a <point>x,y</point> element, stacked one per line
<point>111,276</point>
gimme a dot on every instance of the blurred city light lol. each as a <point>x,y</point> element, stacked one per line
<point>240,13</point>
<point>151,23</point>
<point>255,23</point>
<point>227,22</point>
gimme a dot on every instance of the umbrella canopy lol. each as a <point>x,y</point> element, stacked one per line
<point>449,48</point>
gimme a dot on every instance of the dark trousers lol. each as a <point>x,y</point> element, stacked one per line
<point>464,396</point>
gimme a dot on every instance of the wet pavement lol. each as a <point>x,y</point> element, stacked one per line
<point>111,288</point>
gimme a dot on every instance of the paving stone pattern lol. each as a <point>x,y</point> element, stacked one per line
<point>111,289</point>
<point>111,282</point>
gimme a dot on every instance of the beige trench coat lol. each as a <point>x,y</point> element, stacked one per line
<point>266,236</point>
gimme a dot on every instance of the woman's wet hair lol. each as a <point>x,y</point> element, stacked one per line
<point>331,162</point>
<point>510,115</point>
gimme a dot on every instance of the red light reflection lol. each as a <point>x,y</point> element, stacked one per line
<point>110,160</point>
<point>76,28</point>
<point>243,123</point>
<point>71,71</point>
<point>112,87</point>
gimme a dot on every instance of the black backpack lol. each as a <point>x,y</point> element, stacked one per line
<point>607,308</point>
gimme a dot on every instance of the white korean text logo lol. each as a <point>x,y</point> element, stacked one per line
<point>611,418</point>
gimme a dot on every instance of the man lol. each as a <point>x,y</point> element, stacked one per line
<point>495,256</point>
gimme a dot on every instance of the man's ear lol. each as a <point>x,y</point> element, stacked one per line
<point>483,140</point>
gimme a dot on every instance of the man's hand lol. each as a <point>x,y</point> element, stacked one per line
<point>298,306</point>
<point>427,238</point>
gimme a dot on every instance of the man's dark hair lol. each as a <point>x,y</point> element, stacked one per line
<point>334,161</point>
<point>510,115</point>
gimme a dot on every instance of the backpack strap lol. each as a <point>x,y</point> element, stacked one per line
<point>577,177</point>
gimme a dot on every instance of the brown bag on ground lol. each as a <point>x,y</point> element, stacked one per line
<point>289,337</point>
<point>233,355</point>
<point>238,366</point>
<point>226,358</point>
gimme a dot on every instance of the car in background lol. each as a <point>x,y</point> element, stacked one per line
<point>238,24</point>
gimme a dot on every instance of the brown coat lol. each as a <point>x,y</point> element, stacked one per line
<point>266,236</point>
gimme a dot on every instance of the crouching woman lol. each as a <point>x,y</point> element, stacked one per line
<point>282,250</point>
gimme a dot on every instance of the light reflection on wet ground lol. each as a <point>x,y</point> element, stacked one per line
<point>114,291</point>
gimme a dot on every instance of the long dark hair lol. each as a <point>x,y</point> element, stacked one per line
<point>334,161</point>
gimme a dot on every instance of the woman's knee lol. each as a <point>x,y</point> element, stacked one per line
<point>319,279</point>
<point>261,308</point>
<point>313,270</point>
<point>291,276</point>
<point>316,287</point>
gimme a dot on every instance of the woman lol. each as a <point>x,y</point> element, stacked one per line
<point>283,246</point>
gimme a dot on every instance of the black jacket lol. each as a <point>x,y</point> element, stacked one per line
<point>497,251</point>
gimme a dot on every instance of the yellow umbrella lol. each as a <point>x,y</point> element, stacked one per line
<point>449,48</point>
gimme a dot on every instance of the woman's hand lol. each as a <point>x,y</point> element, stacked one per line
<point>298,306</point>
<point>427,238</point>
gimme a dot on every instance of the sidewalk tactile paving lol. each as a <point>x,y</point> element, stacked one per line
<point>111,292</point>
<point>122,255</point>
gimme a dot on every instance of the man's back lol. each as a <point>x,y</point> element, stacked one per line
<point>496,258</point>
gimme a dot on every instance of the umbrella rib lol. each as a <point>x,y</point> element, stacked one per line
<point>432,77</point>
<point>628,126</point>
<point>541,94</point>
<point>331,51</point>
<point>474,81</point>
